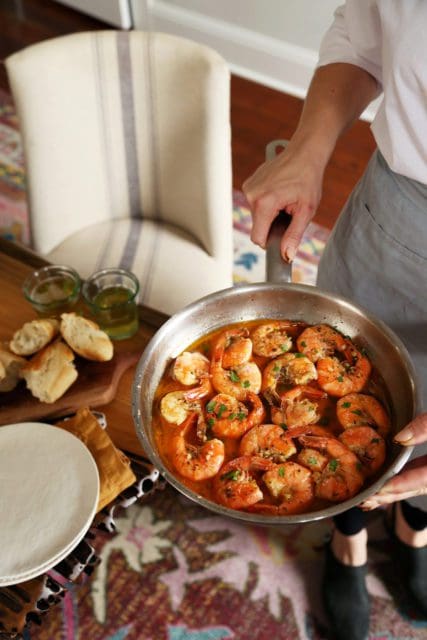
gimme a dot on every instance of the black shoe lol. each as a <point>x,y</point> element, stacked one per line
<point>345,598</point>
<point>412,563</point>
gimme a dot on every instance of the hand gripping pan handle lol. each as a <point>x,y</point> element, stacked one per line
<point>278,271</point>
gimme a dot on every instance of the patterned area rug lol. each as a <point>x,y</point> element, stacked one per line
<point>174,571</point>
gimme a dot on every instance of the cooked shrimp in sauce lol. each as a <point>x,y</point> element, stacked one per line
<point>192,461</point>
<point>230,418</point>
<point>269,441</point>
<point>275,417</point>
<point>272,339</point>
<point>358,409</point>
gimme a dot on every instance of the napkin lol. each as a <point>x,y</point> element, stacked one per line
<point>115,473</point>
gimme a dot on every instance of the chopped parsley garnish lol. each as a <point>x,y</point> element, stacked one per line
<point>303,344</point>
<point>234,377</point>
<point>346,405</point>
<point>357,412</point>
<point>333,465</point>
<point>281,472</point>
<point>284,348</point>
<point>246,384</point>
<point>299,355</point>
<point>311,460</point>
<point>221,409</point>
<point>284,426</point>
<point>231,475</point>
<point>340,379</point>
<point>210,422</point>
<point>210,407</point>
<point>241,415</point>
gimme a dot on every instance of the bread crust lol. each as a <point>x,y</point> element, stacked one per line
<point>51,372</point>
<point>86,338</point>
<point>11,366</point>
<point>34,336</point>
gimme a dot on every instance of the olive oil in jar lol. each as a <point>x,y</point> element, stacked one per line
<point>116,311</point>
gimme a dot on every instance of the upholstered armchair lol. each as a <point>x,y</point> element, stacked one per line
<point>126,138</point>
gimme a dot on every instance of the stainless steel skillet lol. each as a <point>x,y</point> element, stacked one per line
<point>276,299</point>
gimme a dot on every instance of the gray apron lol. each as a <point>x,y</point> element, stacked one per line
<point>377,257</point>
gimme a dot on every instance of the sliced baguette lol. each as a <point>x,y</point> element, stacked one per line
<point>33,336</point>
<point>11,366</point>
<point>50,372</point>
<point>86,338</point>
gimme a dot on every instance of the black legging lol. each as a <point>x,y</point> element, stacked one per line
<point>352,521</point>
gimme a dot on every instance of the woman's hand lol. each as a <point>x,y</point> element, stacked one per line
<point>412,480</point>
<point>291,181</point>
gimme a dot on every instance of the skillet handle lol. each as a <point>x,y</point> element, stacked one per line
<point>278,271</point>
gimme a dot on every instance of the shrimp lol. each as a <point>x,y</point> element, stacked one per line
<point>320,341</point>
<point>195,462</point>
<point>238,349</point>
<point>238,380</point>
<point>230,418</point>
<point>292,485</point>
<point>368,446</point>
<point>358,409</point>
<point>176,405</point>
<point>268,441</point>
<point>271,339</point>
<point>297,407</point>
<point>342,477</point>
<point>191,368</point>
<point>312,459</point>
<point>340,378</point>
<point>236,485</point>
<point>292,368</point>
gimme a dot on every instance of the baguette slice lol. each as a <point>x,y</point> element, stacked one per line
<point>11,366</point>
<point>86,338</point>
<point>50,372</point>
<point>33,336</point>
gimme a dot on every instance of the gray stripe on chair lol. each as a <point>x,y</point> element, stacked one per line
<point>131,246</point>
<point>128,122</point>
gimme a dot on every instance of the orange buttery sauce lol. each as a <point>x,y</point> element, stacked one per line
<point>163,430</point>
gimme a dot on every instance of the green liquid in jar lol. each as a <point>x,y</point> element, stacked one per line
<point>116,312</point>
<point>54,296</point>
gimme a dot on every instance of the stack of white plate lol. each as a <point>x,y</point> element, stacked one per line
<point>49,491</point>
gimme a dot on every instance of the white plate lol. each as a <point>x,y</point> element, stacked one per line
<point>49,491</point>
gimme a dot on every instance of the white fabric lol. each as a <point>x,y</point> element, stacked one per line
<point>128,125</point>
<point>388,39</point>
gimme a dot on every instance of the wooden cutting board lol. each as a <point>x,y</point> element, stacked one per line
<point>108,384</point>
<point>95,386</point>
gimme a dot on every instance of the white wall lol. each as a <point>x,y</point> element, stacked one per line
<point>299,22</point>
<point>273,42</point>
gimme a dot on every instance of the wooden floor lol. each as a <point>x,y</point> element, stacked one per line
<point>258,114</point>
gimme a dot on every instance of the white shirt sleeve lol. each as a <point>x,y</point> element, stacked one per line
<point>354,37</point>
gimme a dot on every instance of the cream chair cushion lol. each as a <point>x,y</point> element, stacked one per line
<point>171,269</point>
